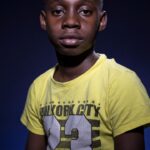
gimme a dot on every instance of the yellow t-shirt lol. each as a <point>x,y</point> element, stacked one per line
<point>89,111</point>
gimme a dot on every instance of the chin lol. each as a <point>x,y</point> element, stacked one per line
<point>70,51</point>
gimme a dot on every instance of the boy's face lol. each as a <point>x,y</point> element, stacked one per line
<point>72,25</point>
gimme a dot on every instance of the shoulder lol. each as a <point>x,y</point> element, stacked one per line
<point>121,78</point>
<point>120,73</point>
<point>112,67</point>
<point>40,83</point>
<point>116,68</point>
<point>114,73</point>
<point>124,84</point>
<point>44,77</point>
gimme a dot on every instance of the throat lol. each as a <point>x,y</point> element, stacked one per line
<point>73,61</point>
<point>66,72</point>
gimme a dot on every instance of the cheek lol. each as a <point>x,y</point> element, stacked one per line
<point>90,31</point>
<point>91,26</point>
<point>52,30</point>
<point>52,26</point>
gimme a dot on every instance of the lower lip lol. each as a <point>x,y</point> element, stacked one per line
<point>70,42</point>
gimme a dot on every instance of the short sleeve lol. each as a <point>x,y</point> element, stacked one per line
<point>129,103</point>
<point>31,114</point>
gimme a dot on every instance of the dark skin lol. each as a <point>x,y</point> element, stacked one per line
<point>72,26</point>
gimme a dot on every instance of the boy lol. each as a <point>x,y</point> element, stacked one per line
<point>86,101</point>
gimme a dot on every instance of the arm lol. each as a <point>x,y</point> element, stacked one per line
<point>131,140</point>
<point>36,142</point>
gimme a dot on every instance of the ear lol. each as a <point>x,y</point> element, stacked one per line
<point>103,21</point>
<point>43,20</point>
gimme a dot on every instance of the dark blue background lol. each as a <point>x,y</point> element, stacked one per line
<point>26,53</point>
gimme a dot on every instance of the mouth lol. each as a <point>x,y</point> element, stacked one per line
<point>70,41</point>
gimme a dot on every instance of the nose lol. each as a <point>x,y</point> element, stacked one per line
<point>71,20</point>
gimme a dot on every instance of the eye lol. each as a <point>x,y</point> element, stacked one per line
<point>58,12</point>
<point>85,12</point>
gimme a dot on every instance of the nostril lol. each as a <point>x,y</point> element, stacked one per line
<point>71,26</point>
<point>71,22</point>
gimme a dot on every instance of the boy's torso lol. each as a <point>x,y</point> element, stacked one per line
<point>73,112</point>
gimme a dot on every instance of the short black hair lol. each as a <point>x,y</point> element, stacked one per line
<point>43,2</point>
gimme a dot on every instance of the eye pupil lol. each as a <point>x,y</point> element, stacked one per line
<point>57,12</point>
<point>86,12</point>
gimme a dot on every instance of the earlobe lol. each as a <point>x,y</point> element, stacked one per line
<point>103,21</point>
<point>42,20</point>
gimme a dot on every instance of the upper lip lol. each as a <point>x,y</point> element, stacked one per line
<point>71,36</point>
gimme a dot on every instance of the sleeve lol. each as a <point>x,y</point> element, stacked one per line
<point>129,103</point>
<point>31,114</point>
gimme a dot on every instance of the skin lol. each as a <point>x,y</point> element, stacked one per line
<point>72,26</point>
<point>80,20</point>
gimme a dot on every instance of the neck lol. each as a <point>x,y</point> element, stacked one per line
<point>73,66</point>
<point>72,61</point>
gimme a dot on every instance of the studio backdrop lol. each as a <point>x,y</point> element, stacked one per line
<point>26,53</point>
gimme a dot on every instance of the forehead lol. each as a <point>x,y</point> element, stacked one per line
<point>96,3</point>
<point>73,1</point>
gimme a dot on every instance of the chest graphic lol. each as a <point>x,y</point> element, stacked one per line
<point>72,127</point>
